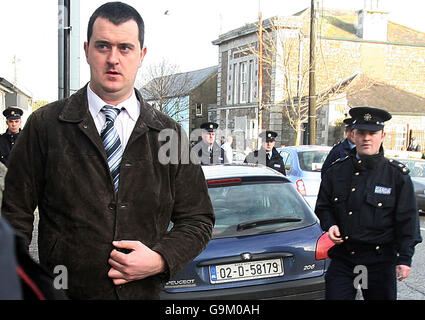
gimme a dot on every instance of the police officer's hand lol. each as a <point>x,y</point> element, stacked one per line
<point>140,262</point>
<point>402,272</point>
<point>335,235</point>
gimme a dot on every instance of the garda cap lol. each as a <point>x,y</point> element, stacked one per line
<point>371,119</point>
<point>348,123</point>
<point>13,113</point>
<point>268,136</point>
<point>209,126</point>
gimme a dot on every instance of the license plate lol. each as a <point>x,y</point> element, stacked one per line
<point>246,270</point>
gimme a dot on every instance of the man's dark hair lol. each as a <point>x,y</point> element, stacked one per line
<point>117,13</point>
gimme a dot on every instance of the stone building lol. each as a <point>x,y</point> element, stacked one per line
<point>355,51</point>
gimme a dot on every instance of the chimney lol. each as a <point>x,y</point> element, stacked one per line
<point>372,22</point>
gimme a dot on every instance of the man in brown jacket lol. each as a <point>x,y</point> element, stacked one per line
<point>109,235</point>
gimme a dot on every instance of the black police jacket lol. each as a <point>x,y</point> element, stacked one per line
<point>217,156</point>
<point>372,201</point>
<point>340,150</point>
<point>260,157</point>
<point>7,141</point>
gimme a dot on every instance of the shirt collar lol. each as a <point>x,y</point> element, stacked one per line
<point>131,105</point>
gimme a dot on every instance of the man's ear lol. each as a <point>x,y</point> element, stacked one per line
<point>142,55</point>
<point>86,49</point>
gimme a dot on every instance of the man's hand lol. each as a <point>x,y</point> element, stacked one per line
<point>335,235</point>
<point>402,272</point>
<point>140,263</point>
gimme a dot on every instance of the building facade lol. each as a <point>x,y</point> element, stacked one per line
<point>349,45</point>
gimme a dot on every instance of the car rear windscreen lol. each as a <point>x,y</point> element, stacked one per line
<point>252,208</point>
<point>312,160</point>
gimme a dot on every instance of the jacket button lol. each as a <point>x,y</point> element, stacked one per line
<point>353,189</point>
<point>336,199</point>
<point>357,173</point>
<point>352,253</point>
<point>111,206</point>
<point>350,213</point>
<point>346,238</point>
<point>380,204</point>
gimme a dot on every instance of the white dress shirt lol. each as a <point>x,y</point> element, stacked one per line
<point>124,123</point>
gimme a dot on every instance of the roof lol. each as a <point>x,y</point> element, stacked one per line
<point>332,23</point>
<point>364,91</point>
<point>183,82</point>
<point>238,170</point>
<point>343,24</point>
<point>11,88</point>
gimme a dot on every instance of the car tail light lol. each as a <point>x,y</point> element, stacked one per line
<point>301,187</point>
<point>324,243</point>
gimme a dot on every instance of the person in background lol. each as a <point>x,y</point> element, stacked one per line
<point>91,164</point>
<point>208,150</point>
<point>414,145</point>
<point>267,154</point>
<point>367,204</point>
<point>8,139</point>
<point>342,148</point>
<point>227,147</point>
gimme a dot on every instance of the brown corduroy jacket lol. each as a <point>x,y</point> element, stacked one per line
<point>59,164</point>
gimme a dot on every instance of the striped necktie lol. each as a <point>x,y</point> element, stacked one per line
<point>112,143</point>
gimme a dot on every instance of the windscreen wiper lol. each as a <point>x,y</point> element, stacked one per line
<point>258,223</point>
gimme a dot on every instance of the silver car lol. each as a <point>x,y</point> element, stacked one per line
<point>303,165</point>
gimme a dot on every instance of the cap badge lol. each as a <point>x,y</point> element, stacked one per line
<point>367,117</point>
<point>211,126</point>
<point>12,113</point>
<point>269,135</point>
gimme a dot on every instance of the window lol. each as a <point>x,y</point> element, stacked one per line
<point>243,82</point>
<point>270,202</point>
<point>199,109</point>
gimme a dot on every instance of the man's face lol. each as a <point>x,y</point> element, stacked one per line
<point>268,145</point>
<point>208,137</point>
<point>13,125</point>
<point>350,135</point>
<point>368,142</point>
<point>114,55</point>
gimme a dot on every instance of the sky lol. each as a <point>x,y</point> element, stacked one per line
<point>28,30</point>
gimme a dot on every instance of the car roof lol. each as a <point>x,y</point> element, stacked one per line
<point>305,148</point>
<point>239,170</point>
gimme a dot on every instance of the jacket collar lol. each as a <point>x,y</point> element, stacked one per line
<point>76,110</point>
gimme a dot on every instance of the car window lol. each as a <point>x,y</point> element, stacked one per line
<point>312,160</point>
<point>244,203</point>
<point>286,156</point>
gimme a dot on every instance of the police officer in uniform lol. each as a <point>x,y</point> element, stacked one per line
<point>267,154</point>
<point>368,205</point>
<point>341,149</point>
<point>8,139</point>
<point>208,150</point>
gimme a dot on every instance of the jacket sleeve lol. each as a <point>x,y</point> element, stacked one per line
<point>332,156</point>
<point>324,207</point>
<point>23,181</point>
<point>193,218</point>
<point>407,221</point>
